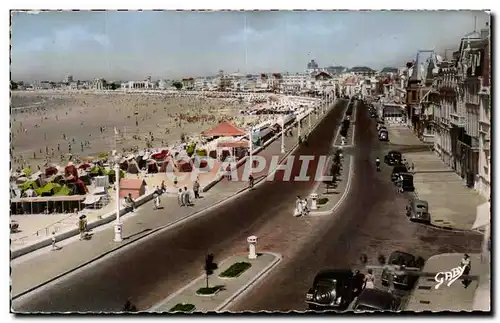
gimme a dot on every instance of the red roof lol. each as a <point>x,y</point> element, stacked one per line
<point>224,129</point>
<point>131,183</point>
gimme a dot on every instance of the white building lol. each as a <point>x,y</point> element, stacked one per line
<point>68,79</point>
<point>98,84</point>
<point>483,180</point>
<point>138,85</point>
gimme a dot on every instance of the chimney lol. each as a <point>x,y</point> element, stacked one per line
<point>485,32</point>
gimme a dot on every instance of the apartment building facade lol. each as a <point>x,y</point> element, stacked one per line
<point>463,112</point>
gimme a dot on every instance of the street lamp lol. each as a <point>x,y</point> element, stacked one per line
<point>283,134</point>
<point>118,224</point>
<point>250,157</point>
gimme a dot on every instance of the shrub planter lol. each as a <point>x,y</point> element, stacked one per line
<point>235,270</point>
<point>208,292</point>
<point>322,201</point>
<point>182,307</point>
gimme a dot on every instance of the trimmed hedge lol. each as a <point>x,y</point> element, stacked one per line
<point>183,308</point>
<point>322,200</point>
<point>208,291</point>
<point>236,269</point>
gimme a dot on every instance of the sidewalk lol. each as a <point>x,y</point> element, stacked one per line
<point>454,298</point>
<point>451,204</point>
<point>231,288</point>
<point>143,222</point>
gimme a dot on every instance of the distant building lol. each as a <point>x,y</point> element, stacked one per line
<point>188,83</point>
<point>68,79</point>
<point>98,84</point>
<point>362,71</point>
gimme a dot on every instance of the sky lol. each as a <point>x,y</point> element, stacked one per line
<point>168,44</point>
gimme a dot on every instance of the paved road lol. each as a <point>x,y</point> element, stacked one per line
<point>370,221</point>
<point>152,269</point>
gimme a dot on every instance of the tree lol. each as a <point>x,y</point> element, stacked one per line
<point>13,85</point>
<point>210,266</point>
<point>114,86</point>
<point>177,85</point>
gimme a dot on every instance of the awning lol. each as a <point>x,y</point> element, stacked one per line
<point>483,216</point>
<point>234,144</point>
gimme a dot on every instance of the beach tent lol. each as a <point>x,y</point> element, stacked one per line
<point>168,162</point>
<point>185,166</point>
<point>124,164</point>
<point>51,171</point>
<point>29,184</point>
<point>84,166</point>
<point>160,156</point>
<point>224,129</point>
<point>133,168</point>
<point>152,166</point>
<point>63,191</point>
<point>71,171</point>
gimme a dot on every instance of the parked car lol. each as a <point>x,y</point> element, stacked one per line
<point>396,170</point>
<point>383,135</point>
<point>372,299</point>
<point>418,210</point>
<point>333,289</point>
<point>410,263</point>
<point>408,182</point>
<point>393,158</point>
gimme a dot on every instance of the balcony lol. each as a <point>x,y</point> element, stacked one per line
<point>457,120</point>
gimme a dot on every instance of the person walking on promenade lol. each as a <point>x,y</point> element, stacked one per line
<point>54,246</point>
<point>131,201</point>
<point>196,189</point>
<point>465,263</point>
<point>81,227</point>
<point>180,197</point>
<point>187,197</point>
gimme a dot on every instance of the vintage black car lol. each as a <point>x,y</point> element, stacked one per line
<point>372,299</point>
<point>418,210</point>
<point>408,262</point>
<point>397,170</point>
<point>407,182</point>
<point>383,135</point>
<point>334,289</point>
<point>393,158</point>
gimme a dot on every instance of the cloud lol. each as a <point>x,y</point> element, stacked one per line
<point>67,39</point>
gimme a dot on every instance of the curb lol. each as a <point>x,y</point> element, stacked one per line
<point>249,285</point>
<point>344,195</point>
<point>245,287</point>
<point>157,230</point>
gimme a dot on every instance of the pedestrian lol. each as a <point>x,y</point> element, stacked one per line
<point>156,201</point>
<point>81,228</point>
<point>370,279</point>
<point>196,189</point>
<point>180,197</point>
<point>130,201</point>
<point>54,246</point>
<point>298,206</point>
<point>163,187</point>
<point>187,197</point>
<point>466,264</point>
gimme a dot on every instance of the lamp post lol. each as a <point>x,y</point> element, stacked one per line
<point>251,149</point>
<point>309,119</point>
<point>298,127</point>
<point>282,134</point>
<point>118,224</point>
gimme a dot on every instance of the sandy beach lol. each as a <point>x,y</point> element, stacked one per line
<point>47,127</point>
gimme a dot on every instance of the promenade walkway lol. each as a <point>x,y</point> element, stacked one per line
<point>452,205</point>
<point>75,253</point>
<point>456,297</point>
